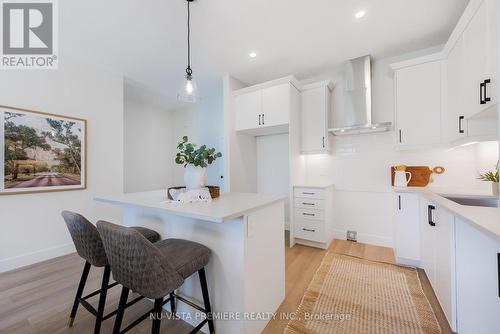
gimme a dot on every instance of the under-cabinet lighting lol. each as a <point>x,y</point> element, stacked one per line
<point>468,144</point>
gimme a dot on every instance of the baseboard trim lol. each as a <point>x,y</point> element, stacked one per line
<point>322,245</point>
<point>408,262</point>
<point>35,257</point>
<point>365,238</point>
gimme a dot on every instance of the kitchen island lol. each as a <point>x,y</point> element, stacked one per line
<point>246,274</point>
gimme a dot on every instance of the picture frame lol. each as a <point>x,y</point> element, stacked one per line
<point>41,152</point>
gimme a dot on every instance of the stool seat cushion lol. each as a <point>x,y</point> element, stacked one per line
<point>151,235</point>
<point>186,257</point>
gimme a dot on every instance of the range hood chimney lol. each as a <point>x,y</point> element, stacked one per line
<point>357,113</point>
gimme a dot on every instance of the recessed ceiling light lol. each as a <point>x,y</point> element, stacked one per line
<point>252,54</point>
<point>360,14</point>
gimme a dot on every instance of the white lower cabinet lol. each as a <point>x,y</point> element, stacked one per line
<point>437,244</point>
<point>407,246</point>
<point>313,219</point>
<point>477,281</point>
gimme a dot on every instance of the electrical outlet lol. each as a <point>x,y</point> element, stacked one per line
<point>352,236</point>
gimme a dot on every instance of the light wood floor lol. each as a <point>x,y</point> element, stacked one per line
<point>37,299</point>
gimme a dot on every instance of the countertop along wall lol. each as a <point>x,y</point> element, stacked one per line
<point>32,227</point>
<point>359,165</point>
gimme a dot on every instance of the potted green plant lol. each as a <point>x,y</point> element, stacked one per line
<point>195,161</point>
<point>491,177</point>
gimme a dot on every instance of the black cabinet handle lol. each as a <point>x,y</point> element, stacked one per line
<point>259,119</point>
<point>429,214</point>
<point>399,202</point>
<point>481,90</point>
<point>263,119</point>
<point>498,269</point>
<point>486,98</point>
<point>308,230</point>
<point>323,142</point>
<point>400,136</point>
<point>304,203</point>
<point>304,193</point>
<point>460,121</point>
<point>308,214</point>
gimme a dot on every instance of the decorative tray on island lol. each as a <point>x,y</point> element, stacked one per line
<point>214,191</point>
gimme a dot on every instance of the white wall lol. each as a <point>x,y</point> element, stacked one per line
<point>273,166</point>
<point>32,227</point>
<point>148,148</point>
<point>360,165</point>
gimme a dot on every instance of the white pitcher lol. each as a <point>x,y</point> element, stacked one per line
<point>400,180</point>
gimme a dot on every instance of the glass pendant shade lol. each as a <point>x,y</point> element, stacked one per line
<point>189,90</point>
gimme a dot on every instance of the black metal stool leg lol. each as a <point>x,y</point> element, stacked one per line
<point>157,314</point>
<point>79,292</point>
<point>172,305</point>
<point>121,310</point>
<point>206,299</point>
<point>102,299</point>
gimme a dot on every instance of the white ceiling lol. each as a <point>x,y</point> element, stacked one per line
<point>145,39</point>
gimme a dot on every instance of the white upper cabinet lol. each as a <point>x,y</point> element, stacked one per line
<point>276,105</point>
<point>455,120</point>
<point>315,117</point>
<point>478,58</point>
<point>418,104</point>
<point>265,109</point>
<point>248,110</point>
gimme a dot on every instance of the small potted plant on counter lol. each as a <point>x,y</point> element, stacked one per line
<point>491,177</point>
<point>195,161</point>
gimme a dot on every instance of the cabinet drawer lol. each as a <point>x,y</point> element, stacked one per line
<point>309,203</point>
<point>309,214</point>
<point>312,230</point>
<point>309,193</point>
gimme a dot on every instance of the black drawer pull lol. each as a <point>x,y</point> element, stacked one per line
<point>308,214</point>
<point>308,230</point>
<point>304,193</point>
<point>304,203</point>
<point>430,208</point>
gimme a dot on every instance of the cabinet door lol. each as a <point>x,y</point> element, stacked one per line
<point>276,105</point>
<point>248,110</point>
<point>476,55</point>
<point>418,104</point>
<point>456,124</point>
<point>315,108</point>
<point>445,263</point>
<point>407,229</point>
<point>428,240</point>
<point>478,301</point>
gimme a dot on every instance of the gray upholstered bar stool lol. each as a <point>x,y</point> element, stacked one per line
<point>154,271</point>
<point>89,246</point>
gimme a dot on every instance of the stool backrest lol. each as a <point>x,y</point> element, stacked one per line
<point>136,263</point>
<point>86,238</point>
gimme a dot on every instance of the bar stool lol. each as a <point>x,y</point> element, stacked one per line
<point>154,271</point>
<point>89,246</point>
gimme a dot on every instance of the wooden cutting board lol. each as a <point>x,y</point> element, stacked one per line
<point>420,175</point>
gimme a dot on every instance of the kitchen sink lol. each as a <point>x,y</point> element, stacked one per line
<point>489,202</point>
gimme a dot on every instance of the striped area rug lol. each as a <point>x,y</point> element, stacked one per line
<point>351,295</point>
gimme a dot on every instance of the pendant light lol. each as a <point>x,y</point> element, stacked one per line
<point>189,89</point>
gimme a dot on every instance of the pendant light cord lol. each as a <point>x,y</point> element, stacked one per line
<point>188,69</point>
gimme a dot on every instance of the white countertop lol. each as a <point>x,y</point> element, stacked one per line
<point>228,206</point>
<point>486,219</point>
<point>313,185</point>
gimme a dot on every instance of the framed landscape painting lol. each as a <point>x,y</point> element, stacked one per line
<point>41,152</point>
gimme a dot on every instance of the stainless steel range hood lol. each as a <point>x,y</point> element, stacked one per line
<point>356,118</point>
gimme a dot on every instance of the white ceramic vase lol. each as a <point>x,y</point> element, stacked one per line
<point>494,186</point>
<point>195,177</point>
